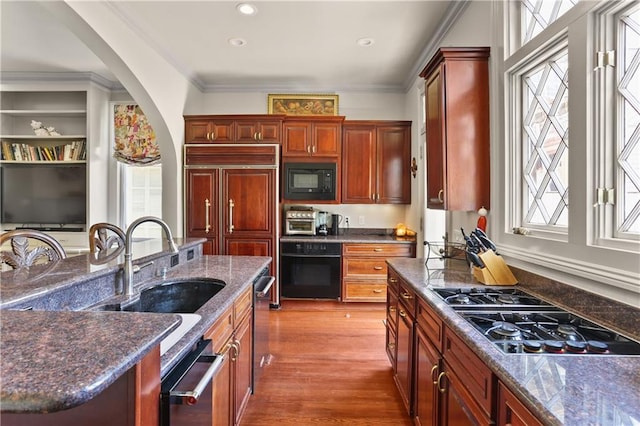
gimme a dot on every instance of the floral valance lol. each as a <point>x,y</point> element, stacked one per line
<point>135,140</point>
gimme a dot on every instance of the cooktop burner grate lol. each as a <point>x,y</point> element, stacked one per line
<point>489,297</point>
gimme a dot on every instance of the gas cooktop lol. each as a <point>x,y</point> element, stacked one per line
<point>518,322</point>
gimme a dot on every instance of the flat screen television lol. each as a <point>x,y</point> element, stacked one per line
<point>43,195</point>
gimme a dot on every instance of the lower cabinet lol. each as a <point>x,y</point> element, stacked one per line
<point>364,269</point>
<point>442,381</point>
<point>231,336</point>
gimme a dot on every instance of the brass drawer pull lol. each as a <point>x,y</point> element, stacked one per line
<point>392,280</point>
<point>378,249</point>
<point>440,388</point>
<point>406,295</point>
<point>433,370</point>
<point>377,290</point>
<point>378,268</point>
<point>402,313</point>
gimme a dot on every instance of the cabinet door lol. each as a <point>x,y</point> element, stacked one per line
<point>197,131</point>
<point>436,159</point>
<point>202,200</point>
<point>511,411</point>
<point>404,356</point>
<point>458,405</point>
<point>393,164</point>
<point>426,393</point>
<point>222,131</point>
<point>243,366</point>
<point>248,247</point>
<point>358,164</point>
<point>248,202</point>
<point>326,139</point>
<point>222,388</point>
<point>296,139</point>
<point>247,132</point>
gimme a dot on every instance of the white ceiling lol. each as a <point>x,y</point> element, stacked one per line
<point>296,45</point>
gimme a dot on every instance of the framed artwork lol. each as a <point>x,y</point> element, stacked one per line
<point>302,104</point>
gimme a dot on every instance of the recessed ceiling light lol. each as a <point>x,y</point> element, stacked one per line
<point>365,42</point>
<point>237,42</point>
<point>247,9</point>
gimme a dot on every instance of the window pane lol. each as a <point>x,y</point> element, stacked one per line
<point>143,197</point>
<point>628,148</point>
<point>536,15</point>
<point>545,142</point>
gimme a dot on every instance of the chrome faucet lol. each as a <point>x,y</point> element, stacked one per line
<point>128,262</point>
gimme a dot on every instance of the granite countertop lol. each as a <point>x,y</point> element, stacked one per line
<point>30,382</point>
<point>559,389</point>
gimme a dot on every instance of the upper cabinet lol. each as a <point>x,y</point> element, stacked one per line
<point>312,137</point>
<point>376,160</point>
<point>230,128</point>
<point>457,124</point>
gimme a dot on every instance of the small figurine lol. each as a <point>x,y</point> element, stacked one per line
<point>40,130</point>
<point>482,220</point>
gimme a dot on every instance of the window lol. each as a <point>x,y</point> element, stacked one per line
<point>536,15</point>
<point>139,172</point>
<point>545,149</point>
<point>618,76</point>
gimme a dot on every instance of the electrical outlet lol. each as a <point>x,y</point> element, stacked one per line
<point>360,220</point>
<point>346,220</point>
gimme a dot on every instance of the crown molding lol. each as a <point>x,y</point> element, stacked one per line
<point>451,16</point>
<point>59,77</point>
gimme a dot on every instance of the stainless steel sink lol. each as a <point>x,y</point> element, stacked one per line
<point>177,296</point>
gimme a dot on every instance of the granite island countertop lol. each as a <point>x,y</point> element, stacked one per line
<point>30,382</point>
<point>572,389</point>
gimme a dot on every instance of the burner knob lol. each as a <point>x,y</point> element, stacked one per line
<point>597,347</point>
<point>553,346</point>
<point>575,347</point>
<point>532,346</point>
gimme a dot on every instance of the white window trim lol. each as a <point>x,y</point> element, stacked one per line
<point>611,273</point>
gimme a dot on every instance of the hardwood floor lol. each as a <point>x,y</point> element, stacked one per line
<point>329,366</point>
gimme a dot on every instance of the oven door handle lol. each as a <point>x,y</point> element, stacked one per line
<point>309,255</point>
<point>175,376</point>
<point>264,285</point>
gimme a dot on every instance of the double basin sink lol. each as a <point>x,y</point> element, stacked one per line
<point>182,297</point>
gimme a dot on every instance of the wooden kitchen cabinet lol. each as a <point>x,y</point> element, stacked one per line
<point>232,336</point>
<point>364,269</point>
<point>305,137</point>
<point>376,159</point>
<point>231,199</point>
<point>512,412</point>
<point>233,128</point>
<point>457,129</point>
<point>428,366</point>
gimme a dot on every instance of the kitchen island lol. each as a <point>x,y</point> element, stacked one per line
<point>558,389</point>
<point>57,359</point>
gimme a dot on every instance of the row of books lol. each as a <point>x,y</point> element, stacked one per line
<point>71,151</point>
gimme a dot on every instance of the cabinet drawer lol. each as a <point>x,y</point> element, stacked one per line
<point>362,267</point>
<point>473,373</point>
<point>242,305</point>
<point>393,280</point>
<point>221,330</point>
<point>378,250</point>
<point>392,307</point>
<point>365,291</point>
<point>407,297</point>
<point>430,323</point>
<point>392,342</point>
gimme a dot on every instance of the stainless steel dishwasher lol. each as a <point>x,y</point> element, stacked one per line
<point>261,306</point>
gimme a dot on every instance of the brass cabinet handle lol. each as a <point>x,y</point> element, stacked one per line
<point>392,280</point>
<point>439,199</point>
<point>440,376</point>
<point>402,313</point>
<point>236,350</point>
<point>391,345</point>
<point>392,308</point>
<point>378,249</point>
<point>377,268</point>
<point>313,149</point>
<point>377,290</point>
<point>406,295</point>
<point>207,225</point>
<point>232,204</point>
<point>433,370</point>
<point>208,137</point>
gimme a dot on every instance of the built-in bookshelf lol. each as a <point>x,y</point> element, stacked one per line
<point>44,177</point>
<point>65,111</point>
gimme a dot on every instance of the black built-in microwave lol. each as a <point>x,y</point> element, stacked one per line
<point>309,181</point>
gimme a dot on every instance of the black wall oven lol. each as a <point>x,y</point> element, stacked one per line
<point>310,270</point>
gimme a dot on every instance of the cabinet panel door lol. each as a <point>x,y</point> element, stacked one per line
<point>202,200</point>
<point>246,247</point>
<point>269,132</point>
<point>394,156</point>
<point>358,163</point>
<point>326,139</point>
<point>426,393</point>
<point>247,132</point>
<point>436,157</point>
<point>513,412</point>
<point>404,356</point>
<point>295,139</point>
<point>459,406</point>
<point>243,367</point>
<point>222,392</point>
<point>222,131</point>
<point>248,202</point>
<point>197,131</point>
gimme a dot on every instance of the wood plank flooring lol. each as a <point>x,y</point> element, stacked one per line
<point>328,367</point>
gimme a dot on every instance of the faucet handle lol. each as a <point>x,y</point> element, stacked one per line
<point>137,268</point>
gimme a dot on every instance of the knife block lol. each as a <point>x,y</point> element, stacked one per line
<point>495,271</point>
